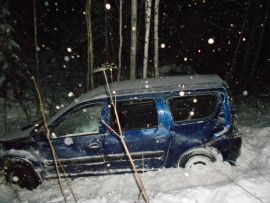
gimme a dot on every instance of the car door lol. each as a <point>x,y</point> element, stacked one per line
<point>193,121</point>
<point>147,139</point>
<point>77,138</point>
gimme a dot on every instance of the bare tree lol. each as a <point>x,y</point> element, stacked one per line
<point>120,39</point>
<point>148,5</point>
<point>36,42</point>
<point>133,45</point>
<point>90,54</point>
<point>156,38</point>
<point>107,50</point>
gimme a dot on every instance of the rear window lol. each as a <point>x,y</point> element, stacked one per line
<point>192,107</point>
<point>136,114</point>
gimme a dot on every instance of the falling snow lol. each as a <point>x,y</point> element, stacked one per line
<point>211,41</point>
<point>70,94</point>
<point>66,58</point>
<point>181,93</point>
<point>108,6</point>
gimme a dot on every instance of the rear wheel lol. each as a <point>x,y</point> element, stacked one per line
<point>23,176</point>
<point>198,157</point>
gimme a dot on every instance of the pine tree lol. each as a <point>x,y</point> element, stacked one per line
<point>9,59</point>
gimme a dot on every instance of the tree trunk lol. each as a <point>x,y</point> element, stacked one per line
<point>249,49</point>
<point>259,44</point>
<point>36,53</point>
<point>90,54</point>
<point>133,45</point>
<point>107,50</point>
<point>5,113</point>
<point>120,39</point>
<point>148,4</point>
<point>156,39</point>
<point>36,42</point>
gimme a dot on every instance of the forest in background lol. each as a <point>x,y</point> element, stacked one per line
<point>52,41</point>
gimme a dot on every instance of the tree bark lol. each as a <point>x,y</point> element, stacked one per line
<point>90,54</point>
<point>36,42</point>
<point>133,45</point>
<point>259,44</point>
<point>5,112</point>
<point>249,49</point>
<point>148,4</point>
<point>107,50</point>
<point>120,39</point>
<point>156,38</point>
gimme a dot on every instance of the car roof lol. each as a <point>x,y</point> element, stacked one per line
<point>156,85</point>
<point>148,86</point>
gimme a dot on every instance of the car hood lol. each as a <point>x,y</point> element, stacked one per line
<point>14,134</point>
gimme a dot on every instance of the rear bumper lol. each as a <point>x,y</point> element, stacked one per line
<point>228,143</point>
<point>230,148</point>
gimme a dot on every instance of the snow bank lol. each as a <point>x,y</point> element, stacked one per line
<point>247,182</point>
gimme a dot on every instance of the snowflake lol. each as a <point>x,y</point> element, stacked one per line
<point>66,58</point>
<point>211,41</point>
<point>70,94</point>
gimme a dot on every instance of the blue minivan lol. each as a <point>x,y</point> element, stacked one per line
<point>177,121</point>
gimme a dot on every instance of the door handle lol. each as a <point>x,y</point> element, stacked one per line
<point>93,146</point>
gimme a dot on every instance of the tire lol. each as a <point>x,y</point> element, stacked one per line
<point>198,160</point>
<point>23,176</point>
<point>198,156</point>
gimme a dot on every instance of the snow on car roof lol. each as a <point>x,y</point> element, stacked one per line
<point>149,85</point>
<point>152,85</point>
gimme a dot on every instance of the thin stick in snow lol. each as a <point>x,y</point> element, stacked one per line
<point>55,157</point>
<point>36,42</point>
<point>138,178</point>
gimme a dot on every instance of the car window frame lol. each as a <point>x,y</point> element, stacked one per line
<point>68,112</point>
<point>214,93</point>
<point>136,99</point>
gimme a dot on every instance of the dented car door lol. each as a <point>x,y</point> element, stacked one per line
<point>145,135</point>
<point>77,138</point>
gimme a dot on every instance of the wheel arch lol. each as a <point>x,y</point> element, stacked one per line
<point>13,158</point>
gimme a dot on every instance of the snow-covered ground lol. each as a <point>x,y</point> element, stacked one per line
<point>248,182</point>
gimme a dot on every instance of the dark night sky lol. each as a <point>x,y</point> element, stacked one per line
<point>186,29</point>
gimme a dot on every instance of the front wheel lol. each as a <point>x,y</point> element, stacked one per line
<point>24,177</point>
<point>198,160</point>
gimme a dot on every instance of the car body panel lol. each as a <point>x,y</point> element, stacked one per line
<point>150,147</point>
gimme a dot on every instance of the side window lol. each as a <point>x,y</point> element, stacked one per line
<point>136,114</point>
<point>192,107</point>
<point>83,120</point>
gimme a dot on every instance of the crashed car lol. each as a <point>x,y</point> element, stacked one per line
<point>177,121</point>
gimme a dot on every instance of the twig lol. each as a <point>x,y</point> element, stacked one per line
<point>55,158</point>
<point>110,128</point>
<point>36,42</point>
<point>239,42</point>
<point>121,137</point>
<point>48,137</point>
